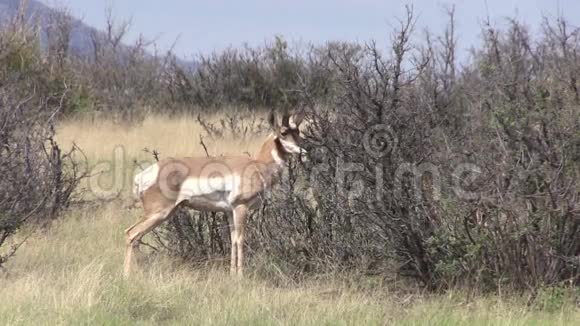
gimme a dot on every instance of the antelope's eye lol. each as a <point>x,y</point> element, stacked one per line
<point>284,132</point>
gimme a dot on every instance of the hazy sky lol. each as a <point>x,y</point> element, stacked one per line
<point>203,26</point>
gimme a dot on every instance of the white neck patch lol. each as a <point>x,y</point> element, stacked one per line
<point>277,157</point>
<point>292,123</point>
<point>290,147</point>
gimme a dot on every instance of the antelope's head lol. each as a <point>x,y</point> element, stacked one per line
<point>288,133</point>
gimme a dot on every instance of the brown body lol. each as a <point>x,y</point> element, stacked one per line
<point>231,184</point>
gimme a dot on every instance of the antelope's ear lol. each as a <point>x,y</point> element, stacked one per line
<point>297,119</point>
<point>273,120</point>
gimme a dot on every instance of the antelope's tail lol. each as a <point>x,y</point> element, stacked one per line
<point>145,179</point>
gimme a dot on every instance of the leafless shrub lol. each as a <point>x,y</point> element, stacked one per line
<point>59,24</point>
<point>512,114</point>
<point>526,219</point>
<point>258,78</point>
<point>38,178</point>
<point>120,81</point>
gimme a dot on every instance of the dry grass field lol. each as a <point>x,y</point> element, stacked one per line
<point>71,273</point>
<point>178,136</point>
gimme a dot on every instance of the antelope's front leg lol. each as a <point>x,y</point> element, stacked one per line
<point>240,213</point>
<point>233,238</point>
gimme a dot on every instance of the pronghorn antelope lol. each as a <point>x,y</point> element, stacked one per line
<point>231,184</point>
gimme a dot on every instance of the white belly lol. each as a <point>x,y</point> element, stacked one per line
<point>208,203</point>
<point>209,194</point>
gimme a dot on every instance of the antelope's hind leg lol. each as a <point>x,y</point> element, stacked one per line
<point>134,233</point>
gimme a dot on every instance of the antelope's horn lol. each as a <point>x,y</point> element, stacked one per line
<point>286,120</point>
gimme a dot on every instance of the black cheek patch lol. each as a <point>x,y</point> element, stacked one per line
<point>281,150</point>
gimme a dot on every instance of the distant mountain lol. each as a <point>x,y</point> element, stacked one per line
<point>38,12</point>
<point>10,7</point>
<point>80,44</point>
